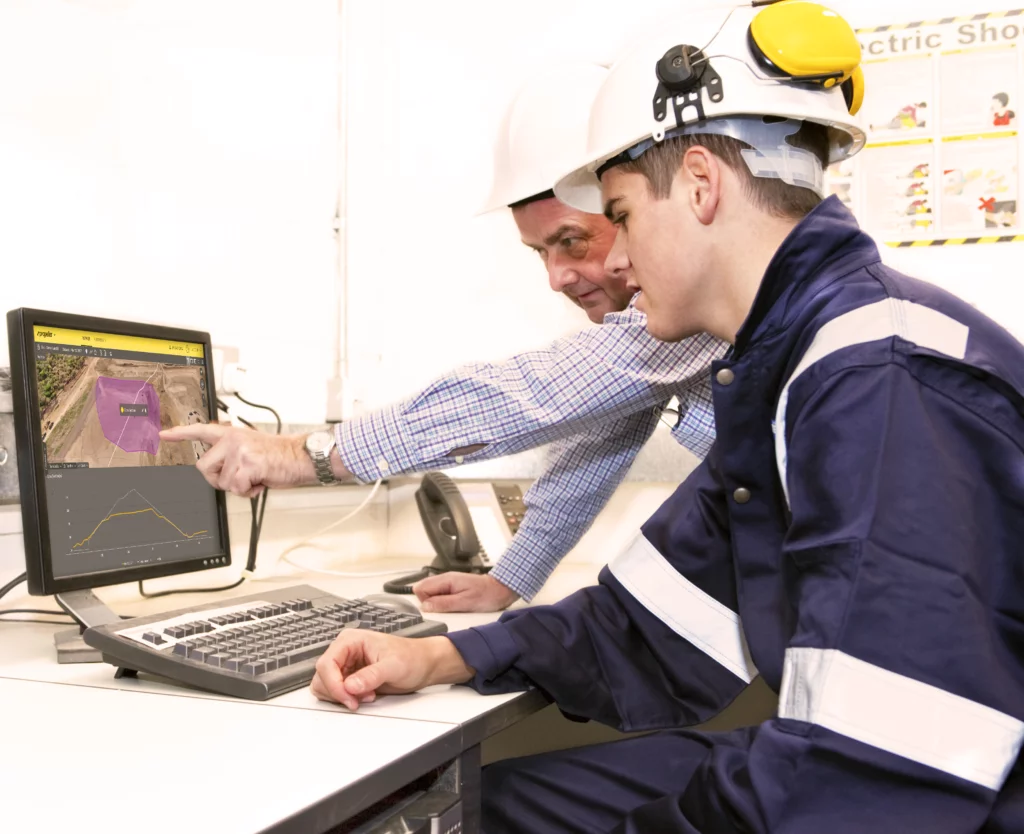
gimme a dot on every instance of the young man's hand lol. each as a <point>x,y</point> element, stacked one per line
<point>360,665</point>
<point>455,591</point>
<point>244,462</point>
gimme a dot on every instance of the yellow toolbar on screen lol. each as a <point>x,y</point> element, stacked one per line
<point>114,341</point>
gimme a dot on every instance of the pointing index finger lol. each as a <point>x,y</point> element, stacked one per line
<point>203,432</point>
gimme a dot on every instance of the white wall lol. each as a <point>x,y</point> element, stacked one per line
<point>175,162</point>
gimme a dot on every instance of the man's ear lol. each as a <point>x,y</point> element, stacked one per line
<point>700,177</point>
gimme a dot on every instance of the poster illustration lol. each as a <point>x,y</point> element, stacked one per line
<point>979,185</point>
<point>901,102</point>
<point>942,108</point>
<point>900,194</point>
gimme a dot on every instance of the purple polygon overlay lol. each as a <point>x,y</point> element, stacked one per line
<point>133,434</point>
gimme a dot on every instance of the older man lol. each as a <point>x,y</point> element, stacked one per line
<point>595,396</point>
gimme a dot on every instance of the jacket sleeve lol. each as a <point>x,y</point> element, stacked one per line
<point>482,411</point>
<point>600,654</point>
<point>902,693</point>
<point>581,474</point>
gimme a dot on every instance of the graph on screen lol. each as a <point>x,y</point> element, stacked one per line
<point>125,533</point>
<point>123,517</point>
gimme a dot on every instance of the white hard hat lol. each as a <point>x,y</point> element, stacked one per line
<point>544,132</point>
<point>796,61</point>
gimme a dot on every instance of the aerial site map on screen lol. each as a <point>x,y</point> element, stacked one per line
<point>117,495</point>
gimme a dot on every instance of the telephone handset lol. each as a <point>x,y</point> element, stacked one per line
<point>446,518</point>
<point>456,537</point>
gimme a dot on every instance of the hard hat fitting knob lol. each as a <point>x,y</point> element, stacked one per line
<point>681,68</point>
<point>684,73</point>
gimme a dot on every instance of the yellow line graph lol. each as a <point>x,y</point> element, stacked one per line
<point>136,512</point>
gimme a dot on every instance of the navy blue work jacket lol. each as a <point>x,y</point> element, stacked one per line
<point>856,537</point>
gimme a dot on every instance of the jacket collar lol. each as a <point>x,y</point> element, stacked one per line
<point>829,231</point>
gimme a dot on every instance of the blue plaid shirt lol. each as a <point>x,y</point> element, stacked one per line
<point>596,396</point>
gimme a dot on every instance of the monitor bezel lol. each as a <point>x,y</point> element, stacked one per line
<point>21,325</point>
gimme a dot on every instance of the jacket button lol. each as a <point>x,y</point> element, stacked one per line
<point>741,495</point>
<point>725,376</point>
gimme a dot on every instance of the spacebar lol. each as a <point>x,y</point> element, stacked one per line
<point>305,653</point>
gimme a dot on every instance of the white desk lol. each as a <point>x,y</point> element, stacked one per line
<point>79,759</point>
<point>318,763</point>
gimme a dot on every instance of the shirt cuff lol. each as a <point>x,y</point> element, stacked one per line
<point>488,649</point>
<point>375,446</point>
<point>527,581</point>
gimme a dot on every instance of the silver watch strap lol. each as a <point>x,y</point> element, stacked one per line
<point>324,472</point>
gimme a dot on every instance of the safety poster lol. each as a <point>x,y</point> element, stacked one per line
<point>941,106</point>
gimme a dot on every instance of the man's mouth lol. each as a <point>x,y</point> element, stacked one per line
<point>587,296</point>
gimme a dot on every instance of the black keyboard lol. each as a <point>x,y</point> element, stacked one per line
<point>253,647</point>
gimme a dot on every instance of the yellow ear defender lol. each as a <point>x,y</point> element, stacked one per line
<point>810,44</point>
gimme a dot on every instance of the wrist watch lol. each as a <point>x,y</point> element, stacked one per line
<point>318,446</point>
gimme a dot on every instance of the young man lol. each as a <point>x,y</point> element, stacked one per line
<point>595,396</point>
<point>855,535</point>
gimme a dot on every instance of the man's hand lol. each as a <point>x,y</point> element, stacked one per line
<point>450,592</point>
<point>360,665</point>
<point>244,461</point>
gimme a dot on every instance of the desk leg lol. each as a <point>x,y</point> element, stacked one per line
<point>469,789</point>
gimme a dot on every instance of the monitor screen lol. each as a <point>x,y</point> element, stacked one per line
<point>113,501</point>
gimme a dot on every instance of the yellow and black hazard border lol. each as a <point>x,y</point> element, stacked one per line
<point>944,21</point>
<point>955,241</point>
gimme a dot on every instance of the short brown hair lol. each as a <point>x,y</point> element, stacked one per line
<point>660,164</point>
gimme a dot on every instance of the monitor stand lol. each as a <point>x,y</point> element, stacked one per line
<point>87,610</point>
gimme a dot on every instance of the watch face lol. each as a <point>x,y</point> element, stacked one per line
<point>318,441</point>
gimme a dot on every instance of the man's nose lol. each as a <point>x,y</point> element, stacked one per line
<point>617,261</point>
<point>561,276</point>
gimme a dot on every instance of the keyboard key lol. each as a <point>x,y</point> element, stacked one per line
<point>306,652</point>
<point>154,638</point>
<point>254,667</point>
<point>217,658</point>
<point>174,631</point>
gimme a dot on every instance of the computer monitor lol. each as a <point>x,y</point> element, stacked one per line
<point>104,500</point>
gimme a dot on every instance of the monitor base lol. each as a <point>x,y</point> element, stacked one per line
<point>87,610</point>
<point>71,648</point>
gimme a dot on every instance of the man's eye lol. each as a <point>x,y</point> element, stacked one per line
<point>574,245</point>
<point>620,220</point>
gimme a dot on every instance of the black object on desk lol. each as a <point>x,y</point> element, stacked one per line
<point>449,525</point>
<point>253,647</point>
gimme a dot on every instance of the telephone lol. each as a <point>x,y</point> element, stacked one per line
<point>463,523</point>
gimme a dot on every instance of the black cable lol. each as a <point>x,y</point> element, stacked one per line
<point>4,611</point>
<point>142,591</point>
<point>14,583</point>
<point>32,620</point>
<point>277,416</point>
<point>258,506</point>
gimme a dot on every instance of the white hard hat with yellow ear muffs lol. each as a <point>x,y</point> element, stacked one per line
<point>756,73</point>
